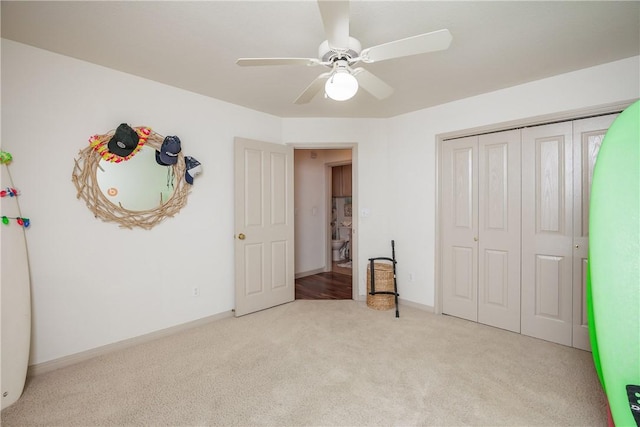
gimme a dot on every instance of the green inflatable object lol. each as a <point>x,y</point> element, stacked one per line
<point>592,328</point>
<point>613,291</point>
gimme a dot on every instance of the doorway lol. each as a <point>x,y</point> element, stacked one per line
<point>324,199</point>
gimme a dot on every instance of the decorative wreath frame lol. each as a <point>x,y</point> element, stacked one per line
<point>84,177</point>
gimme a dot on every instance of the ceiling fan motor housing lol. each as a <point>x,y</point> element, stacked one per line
<point>328,54</point>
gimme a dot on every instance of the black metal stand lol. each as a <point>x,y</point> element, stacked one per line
<point>395,283</point>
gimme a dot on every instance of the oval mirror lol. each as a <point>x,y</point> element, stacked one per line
<point>134,193</point>
<point>138,184</point>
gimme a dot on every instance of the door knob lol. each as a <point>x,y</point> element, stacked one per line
<point>475,239</point>
<point>241,236</point>
<point>577,246</point>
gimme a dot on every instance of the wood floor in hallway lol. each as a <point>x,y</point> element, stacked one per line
<point>336,284</point>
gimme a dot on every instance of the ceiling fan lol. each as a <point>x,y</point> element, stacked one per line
<point>341,51</point>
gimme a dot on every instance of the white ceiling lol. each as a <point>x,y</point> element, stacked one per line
<point>194,45</point>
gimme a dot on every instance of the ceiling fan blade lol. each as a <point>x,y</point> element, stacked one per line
<point>335,17</point>
<point>372,84</point>
<point>244,62</point>
<point>311,90</point>
<point>422,43</point>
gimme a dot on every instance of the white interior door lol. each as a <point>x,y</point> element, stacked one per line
<point>587,138</point>
<point>459,197</point>
<point>264,227</point>
<point>499,230</point>
<point>547,232</point>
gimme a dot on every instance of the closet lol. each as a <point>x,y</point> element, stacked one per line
<point>514,227</point>
<point>481,229</point>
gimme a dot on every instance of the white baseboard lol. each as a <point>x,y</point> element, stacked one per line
<point>419,306</point>
<point>51,365</point>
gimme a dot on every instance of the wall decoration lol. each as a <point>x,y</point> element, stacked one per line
<point>113,186</point>
<point>16,289</point>
<point>5,159</point>
<point>122,144</point>
<point>9,192</point>
<point>24,222</point>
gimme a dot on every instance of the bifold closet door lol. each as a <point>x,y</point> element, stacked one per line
<point>459,197</point>
<point>588,135</point>
<point>547,232</point>
<point>499,230</point>
<point>515,228</point>
<point>557,168</point>
<point>481,229</point>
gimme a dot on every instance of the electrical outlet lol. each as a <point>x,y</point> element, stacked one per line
<point>195,292</point>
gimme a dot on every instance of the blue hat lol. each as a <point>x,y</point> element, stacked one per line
<point>168,154</point>
<point>192,168</point>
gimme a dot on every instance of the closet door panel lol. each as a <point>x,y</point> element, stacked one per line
<point>548,285</point>
<point>499,230</point>
<point>588,135</point>
<point>496,279</point>
<point>462,273</point>
<point>459,198</point>
<point>547,232</point>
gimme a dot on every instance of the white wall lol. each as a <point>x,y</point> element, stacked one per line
<point>94,283</point>
<point>412,152</point>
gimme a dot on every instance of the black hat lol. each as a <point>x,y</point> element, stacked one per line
<point>168,154</point>
<point>124,141</point>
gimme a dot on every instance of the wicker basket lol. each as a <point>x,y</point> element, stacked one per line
<point>383,282</point>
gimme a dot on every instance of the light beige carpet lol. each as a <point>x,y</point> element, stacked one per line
<point>316,363</point>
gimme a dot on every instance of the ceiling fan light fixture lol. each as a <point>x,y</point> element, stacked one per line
<point>341,86</point>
